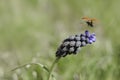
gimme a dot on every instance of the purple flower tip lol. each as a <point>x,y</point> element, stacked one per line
<point>93,34</point>
<point>82,35</point>
<point>90,41</point>
<point>87,33</point>
<point>94,39</point>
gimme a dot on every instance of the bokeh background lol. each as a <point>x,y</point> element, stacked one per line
<point>31,31</point>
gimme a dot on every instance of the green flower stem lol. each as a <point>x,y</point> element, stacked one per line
<point>51,68</point>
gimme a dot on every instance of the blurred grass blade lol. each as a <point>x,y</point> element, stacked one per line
<point>41,65</point>
<point>31,64</point>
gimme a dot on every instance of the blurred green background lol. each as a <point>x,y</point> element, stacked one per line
<point>31,31</point>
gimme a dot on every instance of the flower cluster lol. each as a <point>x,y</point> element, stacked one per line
<point>73,44</point>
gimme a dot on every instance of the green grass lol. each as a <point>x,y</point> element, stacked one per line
<point>31,31</point>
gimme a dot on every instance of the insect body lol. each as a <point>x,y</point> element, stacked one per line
<point>89,21</point>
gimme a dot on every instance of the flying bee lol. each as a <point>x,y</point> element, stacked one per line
<point>90,21</point>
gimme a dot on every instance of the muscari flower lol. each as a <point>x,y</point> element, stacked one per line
<point>73,44</point>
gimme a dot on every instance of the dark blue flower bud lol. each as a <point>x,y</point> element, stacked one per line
<point>87,33</point>
<point>73,44</point>
<point>71,37</point>
<point>83,44</point>
<point>71,49</point>
<point>78,43</point>
<point>83,38</point>
<point>77,38</point>
<point>90,41</point>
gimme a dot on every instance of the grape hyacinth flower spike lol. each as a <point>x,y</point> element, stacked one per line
<point>73,44</point>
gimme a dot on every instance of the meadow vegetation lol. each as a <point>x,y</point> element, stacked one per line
<point>32,30</point>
